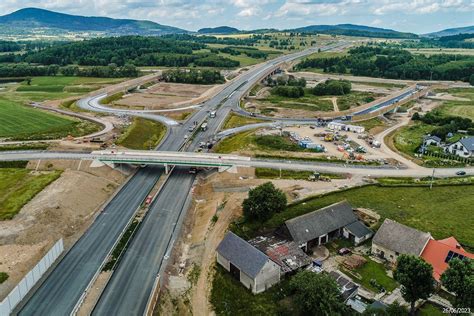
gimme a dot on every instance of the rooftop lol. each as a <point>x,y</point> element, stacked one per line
<point>358,229</point>
<point>439,252</point>
<point>320,222</point>
<point>285,253</point>
<point>400,238</point>
<point>468,143</point>
<point>243,255</point>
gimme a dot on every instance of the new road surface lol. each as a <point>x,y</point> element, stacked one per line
<point>63,289</point>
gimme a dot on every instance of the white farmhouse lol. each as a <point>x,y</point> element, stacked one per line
<point>462,148</point>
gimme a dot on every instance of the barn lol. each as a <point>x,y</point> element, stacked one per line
<point>254,269</point>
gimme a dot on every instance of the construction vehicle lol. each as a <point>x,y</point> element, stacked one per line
<point>361,150</point>
<point>316,176</point>
<point>328,137</point>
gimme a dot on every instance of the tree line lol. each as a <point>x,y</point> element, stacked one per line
<point>395,63</point>
<point>25,70</point>
<point>193,76</point>
<point>446,124</point>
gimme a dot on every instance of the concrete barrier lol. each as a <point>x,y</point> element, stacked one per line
<point>30,280</point>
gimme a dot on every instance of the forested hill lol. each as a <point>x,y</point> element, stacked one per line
<point>354,30</point>
<point>31,19</point>
<point>395,63</point>
<point>134,50</point>
<point>453,31</point>
<point>219,30</point>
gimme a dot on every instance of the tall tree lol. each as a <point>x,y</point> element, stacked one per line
<point>317,294</point>
<point>416,277</point>
<point>459,279</point>
<point>263,202</point>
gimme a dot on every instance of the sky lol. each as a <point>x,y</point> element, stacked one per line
<point>416,16</point>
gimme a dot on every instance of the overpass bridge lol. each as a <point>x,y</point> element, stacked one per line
<point>224,162</point>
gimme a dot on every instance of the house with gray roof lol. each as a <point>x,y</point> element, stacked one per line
<point>393,239</point>
<point>462,148</point>
<point>319,227</point>
<point>250,266</point>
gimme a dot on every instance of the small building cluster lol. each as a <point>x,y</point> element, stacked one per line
<point>262,261</point>
<point>337,126</point>
<point>463,148</point>
<point>393,239</point>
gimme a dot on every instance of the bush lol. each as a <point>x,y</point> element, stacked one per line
<point>288,91</point>
<point>333,87</point>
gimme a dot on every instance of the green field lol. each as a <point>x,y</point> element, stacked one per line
<point>418,207</point>
<point>22,122</point>
<point>459,108</point>
<point>18,186</point>
<point>143,134</point>
<point>408,138</point>
<point>311,102</point>
<point>18,121</point>
<point>53,88</point>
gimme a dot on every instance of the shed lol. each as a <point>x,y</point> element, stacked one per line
<point>247,264</point>
<point>357,232</point>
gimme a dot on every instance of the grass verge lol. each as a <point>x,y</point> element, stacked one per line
<point>267,173</point>
<point>143,134</point>
<point>235,120</point>
<point>3,277</point>
<point>19,186</point>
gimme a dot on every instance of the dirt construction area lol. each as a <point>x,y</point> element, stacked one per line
<point>64,209</point>
<point>165,96</point>
<point>217,203</point>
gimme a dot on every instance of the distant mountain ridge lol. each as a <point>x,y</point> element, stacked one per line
<point>452,31</point>
<point>354,30</point>
<point>31,19</point>
<point>219,30</point>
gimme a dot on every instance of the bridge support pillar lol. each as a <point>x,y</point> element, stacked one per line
<point>166,168</point>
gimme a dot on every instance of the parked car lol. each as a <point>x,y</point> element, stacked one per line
<point>461,173</point>
<point>344,251</point>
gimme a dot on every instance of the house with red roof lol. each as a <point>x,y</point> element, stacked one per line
<point>439,252</point>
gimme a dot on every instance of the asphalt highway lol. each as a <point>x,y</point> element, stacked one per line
<point>64,287</point>
<point>129,288</point>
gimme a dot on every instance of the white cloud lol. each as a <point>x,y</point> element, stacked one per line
<point>316,8</point>
<point>420,6</point>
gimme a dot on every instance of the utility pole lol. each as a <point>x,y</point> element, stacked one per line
<point>432,179</point>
